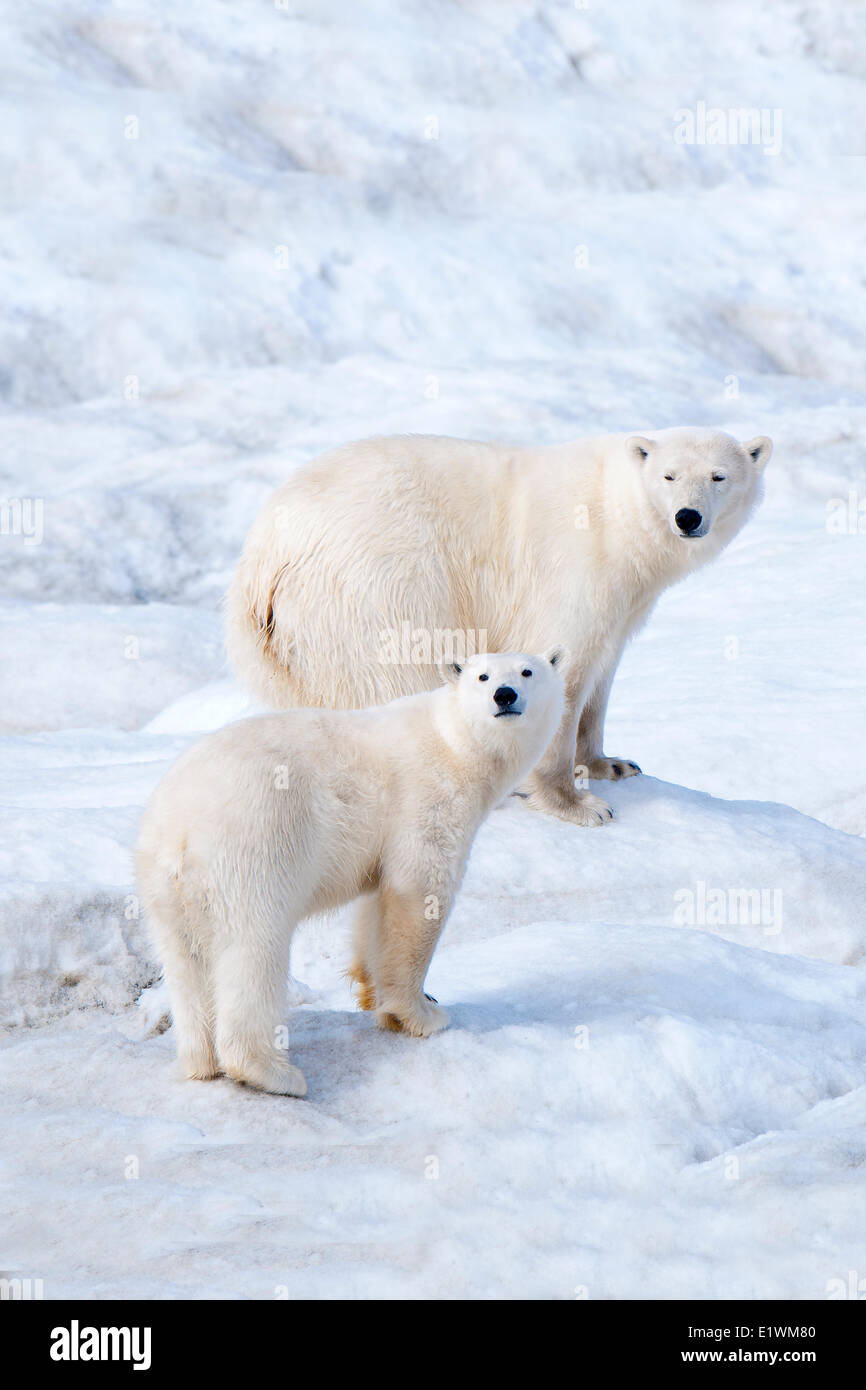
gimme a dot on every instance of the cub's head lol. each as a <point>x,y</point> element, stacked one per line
<point>508,699</point>
<point>699,481</point>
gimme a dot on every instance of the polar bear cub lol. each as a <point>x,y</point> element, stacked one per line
<point>275,818</point>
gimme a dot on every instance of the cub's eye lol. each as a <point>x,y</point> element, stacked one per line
<point>669,477</point>
<point>719,477</point>
<point>526,673</point>
<point>484,678</point>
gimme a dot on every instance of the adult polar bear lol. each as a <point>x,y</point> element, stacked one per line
<point>521,546</point>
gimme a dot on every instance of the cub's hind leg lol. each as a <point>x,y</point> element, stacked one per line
<point>364,933</point>
<point>250,971</point>
<point>186,962</point>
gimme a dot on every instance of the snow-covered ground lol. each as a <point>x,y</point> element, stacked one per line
<point>236,234</point>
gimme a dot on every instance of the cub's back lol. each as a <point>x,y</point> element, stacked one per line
<point>271,775</point>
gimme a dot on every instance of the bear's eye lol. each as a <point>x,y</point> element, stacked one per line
<point>484,678</point>
<point>527,674</point>
<point>669,477</point>
<point>719,477</point>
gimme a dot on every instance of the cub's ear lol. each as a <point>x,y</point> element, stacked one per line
<point>450,672</point>
<point>638,447</point>
<point>759,450</point>
<point>559,658</point>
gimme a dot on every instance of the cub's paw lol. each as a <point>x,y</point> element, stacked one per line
<point>275,1075</point>
<point>154,1010</point>
<point>365,996</point>
<point>197,1063</point>
<point>285,1080</point>
<point>421,1018</point>
<point>607,769</point>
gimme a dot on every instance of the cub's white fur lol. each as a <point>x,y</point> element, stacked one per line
<point>275,818</point>
<point>523,545</point>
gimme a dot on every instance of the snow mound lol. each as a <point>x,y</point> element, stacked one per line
<point>615,1112</point>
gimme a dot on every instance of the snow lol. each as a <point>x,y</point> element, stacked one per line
<point>469,219</point>
<point>705,1138</point>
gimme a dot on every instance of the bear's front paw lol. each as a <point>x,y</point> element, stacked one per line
<point>606,769</point>
<point>421,1018</point>
<point>567,803</point>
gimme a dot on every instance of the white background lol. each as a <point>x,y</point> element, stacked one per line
<point>233,235</point>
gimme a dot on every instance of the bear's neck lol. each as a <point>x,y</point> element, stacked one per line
<point>483,769</point>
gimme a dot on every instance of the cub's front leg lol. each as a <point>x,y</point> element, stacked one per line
<point>399,954</point>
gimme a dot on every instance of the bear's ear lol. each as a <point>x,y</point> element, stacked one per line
<point>638,447</point>
<point>759,450</point>
<point>450,672</point>
<point>559,658</point>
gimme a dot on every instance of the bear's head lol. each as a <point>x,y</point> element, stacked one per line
<point>698,481</point>
<point>510,701</point>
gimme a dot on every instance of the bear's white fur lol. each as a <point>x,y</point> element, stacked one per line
<point>431,535</point>
<point>275,818</point>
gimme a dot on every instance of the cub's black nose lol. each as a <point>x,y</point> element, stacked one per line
<point>505,696</point>
<point>688,520</point>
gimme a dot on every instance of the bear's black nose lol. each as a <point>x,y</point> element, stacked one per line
<point>504,696</point>
<point>688,520</point>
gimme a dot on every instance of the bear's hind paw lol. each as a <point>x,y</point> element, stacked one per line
<point>607,769</point>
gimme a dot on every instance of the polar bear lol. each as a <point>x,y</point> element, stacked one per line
<point>371,554</point>
<point>281,816</point>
